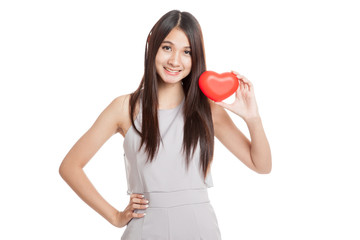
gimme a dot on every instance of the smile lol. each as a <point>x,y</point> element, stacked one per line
<point>172,71</point>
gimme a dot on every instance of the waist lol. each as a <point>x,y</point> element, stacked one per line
<point>176,198</point>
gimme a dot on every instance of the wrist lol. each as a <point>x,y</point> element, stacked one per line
<point>115,218</point>
<point>252,119</point>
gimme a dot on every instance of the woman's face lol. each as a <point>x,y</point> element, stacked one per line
<point>173,59</point>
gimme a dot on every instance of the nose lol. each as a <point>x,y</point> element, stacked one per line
<point>174,59</point>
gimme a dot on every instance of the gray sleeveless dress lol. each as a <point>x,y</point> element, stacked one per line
<point>179,207</point>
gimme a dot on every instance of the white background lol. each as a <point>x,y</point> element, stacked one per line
<point>63,62</point>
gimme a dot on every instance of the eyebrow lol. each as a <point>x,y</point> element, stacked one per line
<point>169,42</point>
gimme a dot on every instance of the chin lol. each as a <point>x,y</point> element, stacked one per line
<point>171,79</point>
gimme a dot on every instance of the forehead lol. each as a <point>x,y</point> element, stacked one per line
<point>177,37</point>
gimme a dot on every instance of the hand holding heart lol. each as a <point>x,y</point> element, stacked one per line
<point>245,104</point>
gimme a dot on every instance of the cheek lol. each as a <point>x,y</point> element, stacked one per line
<point>158,62</point>
<point>159,58</point>
<point>187,63</point>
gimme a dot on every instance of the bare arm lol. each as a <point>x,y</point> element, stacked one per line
<point>260,148</point>
<point>71,168</point>
<point>255,153</point>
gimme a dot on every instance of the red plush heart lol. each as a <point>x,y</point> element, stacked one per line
<point>216,86</point>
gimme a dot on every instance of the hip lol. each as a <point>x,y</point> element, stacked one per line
<point>185,214</point>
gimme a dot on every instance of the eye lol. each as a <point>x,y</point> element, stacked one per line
<point>187,52</point>
<point>167,48</point>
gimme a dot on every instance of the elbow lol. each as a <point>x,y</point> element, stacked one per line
<point>265,169</point>
<point>68,169</point>
<point>62,170</point>
<point>65,169</point>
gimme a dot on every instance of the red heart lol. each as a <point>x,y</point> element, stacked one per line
<point>216,86</point>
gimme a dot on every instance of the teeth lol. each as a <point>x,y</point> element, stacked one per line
<point>172,70</point>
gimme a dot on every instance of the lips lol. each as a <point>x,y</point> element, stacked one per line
<point>172,71</point>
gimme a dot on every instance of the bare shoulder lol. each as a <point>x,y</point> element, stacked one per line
<point>120,111</point>
<point>121,106</point>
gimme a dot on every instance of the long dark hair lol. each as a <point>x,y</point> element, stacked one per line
<point>198,125</point>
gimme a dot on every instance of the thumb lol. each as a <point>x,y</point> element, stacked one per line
<point>222,104</point>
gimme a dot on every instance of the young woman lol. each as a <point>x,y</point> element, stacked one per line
<point>169,126</point>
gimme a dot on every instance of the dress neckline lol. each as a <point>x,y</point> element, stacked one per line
<point>169,109</point>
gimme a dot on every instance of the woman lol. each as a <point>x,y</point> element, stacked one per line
<point>168,155</point>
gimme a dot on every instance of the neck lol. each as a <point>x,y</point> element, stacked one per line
<point>170,95</point>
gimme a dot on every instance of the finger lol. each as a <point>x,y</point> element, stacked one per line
<point>239,76</point>
<point>238,90</point>
<point>236,73</point>
<point>139,206</point>
<point>247,81</point>
<point>223,104</point>
<point>242,77</point>
<point>138,200</point>
<point>241,83</point>
<point>138,215</point>
<point>136,195</point>
<point>247,87</point>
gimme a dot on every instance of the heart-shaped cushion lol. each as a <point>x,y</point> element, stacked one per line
<point>216,86</point>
